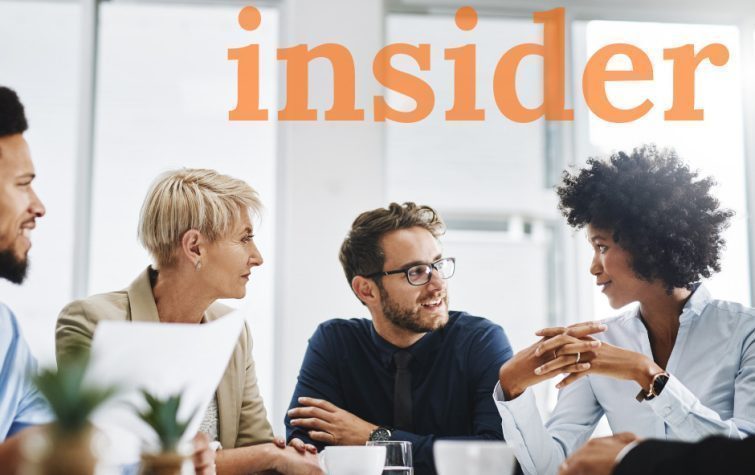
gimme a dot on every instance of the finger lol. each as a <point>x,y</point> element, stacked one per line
<point>589,328</point>
<point>321,436</point>
<point>554,343</point>
<point>627,437</point>
<point>204,459</point>
<point>551,331</point>
<point>581,347</point>
<point>321,403</point>
<point>201,442</point>
<point>311,448</point>
<point>300,446</point>
<point>310,423</point>
<point>561,364</point>
<point>577,372</point>
<point>299,412</point>
<point>280,442</point>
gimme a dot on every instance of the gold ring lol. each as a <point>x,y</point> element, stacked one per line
<point>555,355</point>
<point>579,355</point>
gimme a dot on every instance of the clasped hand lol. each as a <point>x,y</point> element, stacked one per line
<point>573,351</point>
<point>328,423</point>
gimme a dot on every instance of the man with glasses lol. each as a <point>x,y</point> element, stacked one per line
<point>415,371</point>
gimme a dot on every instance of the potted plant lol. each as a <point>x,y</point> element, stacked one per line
<point>162,416</point>
<point>65,446</point>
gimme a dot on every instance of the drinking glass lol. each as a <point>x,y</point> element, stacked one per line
<point>398,456</point>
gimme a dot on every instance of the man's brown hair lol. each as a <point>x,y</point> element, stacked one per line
<point>361,253</point>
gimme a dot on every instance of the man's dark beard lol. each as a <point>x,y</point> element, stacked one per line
<point>11,267</point>
<point>403,318</point>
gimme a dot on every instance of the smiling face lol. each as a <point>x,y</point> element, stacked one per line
<point>19,207</point>
<point>611,266</point>
<point>418,309</point>
<point>227,263</point>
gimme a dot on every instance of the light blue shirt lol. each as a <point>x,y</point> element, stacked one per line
<point>21,405</point>
<point>711,390</point>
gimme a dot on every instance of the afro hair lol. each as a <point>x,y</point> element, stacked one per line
<point>657,209</point>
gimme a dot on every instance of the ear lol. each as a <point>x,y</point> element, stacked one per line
<point>365,289</point>
<point>191,245</point>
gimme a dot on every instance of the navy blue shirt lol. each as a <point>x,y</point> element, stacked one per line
<point>454,371</point>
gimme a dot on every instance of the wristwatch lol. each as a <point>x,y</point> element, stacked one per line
<point>380,434</point>
<point>656,387</point>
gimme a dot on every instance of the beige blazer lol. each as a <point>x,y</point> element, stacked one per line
<point>242,419</point>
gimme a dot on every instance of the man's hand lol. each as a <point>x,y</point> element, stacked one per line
<point>203,456</point>
<point>328,423</point>
<point>598,456</point>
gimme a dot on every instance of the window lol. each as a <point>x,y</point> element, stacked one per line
<point>715,146</point>
<point>39,41</point>
<point>164,91</point>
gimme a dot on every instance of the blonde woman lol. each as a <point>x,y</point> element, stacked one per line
<point>197,226</point>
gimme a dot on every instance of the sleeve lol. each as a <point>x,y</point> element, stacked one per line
<point>32,408</point>
<point>73,331</point>
<point>254,428</point>
<point>539,448</point>
<point>712,455</point>
<point>317,379</point>
<point>691,420</point>
<point>486,353</point>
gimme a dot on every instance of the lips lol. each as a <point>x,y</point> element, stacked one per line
<point>604,285</point>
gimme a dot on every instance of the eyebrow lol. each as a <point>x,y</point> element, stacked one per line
<point>598,237</point>
<point>247,230</point>
<point>416,263</point>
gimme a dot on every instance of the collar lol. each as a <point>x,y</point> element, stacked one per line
<point>696,302</point>
<point>141,300</point>
<point>422,351</point>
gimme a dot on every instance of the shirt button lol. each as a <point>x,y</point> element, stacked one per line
<point>667,410</point>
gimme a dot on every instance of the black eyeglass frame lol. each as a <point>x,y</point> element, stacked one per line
<point>433,267</point>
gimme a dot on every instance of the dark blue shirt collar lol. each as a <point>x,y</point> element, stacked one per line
<point>421,351</point>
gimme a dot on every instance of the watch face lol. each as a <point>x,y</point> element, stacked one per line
<point>381,433</point>
<point>659,383</point>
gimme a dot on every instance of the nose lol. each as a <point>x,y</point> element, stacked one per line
<point>436,281</point>
<point>255,256</point>
<point>36,207</point>
<point>596,267</point>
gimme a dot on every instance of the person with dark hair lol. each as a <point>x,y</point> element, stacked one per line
<point>679,366</point>
<point>415,372</point>
<point>21,405</point>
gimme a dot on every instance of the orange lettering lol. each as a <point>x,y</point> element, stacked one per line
<point>404,83</point>
<point>297,83</point>
<point>685,65</point>
<point>552,51</point>
<point>595,78</point>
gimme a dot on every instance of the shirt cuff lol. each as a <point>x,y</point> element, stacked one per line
<point>674,403</point>
<point>623,452</point>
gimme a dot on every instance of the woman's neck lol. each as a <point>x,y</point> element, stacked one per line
<point>660,314</point>
<point>177,298</point>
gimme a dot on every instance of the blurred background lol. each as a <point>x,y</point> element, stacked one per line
<point>119,91</point>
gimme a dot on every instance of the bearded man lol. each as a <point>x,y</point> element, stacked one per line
<point>415,371</point>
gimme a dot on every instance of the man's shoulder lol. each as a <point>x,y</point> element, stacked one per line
<point>9,331</point>
<point>465,323</point>
<point>350,326</point>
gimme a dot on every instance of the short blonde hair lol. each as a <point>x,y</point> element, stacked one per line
<point>191,198</point>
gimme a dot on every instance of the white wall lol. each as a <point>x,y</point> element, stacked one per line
<point>329,173</point>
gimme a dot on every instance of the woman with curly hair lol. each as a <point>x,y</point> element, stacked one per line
<point>679,366</point>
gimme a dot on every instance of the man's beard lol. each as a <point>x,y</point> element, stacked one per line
<point>404,318</point>
<point>11,267</point>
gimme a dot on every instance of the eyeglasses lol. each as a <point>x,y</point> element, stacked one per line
<point>421,274</point>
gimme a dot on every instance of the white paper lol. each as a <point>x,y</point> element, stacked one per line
<point>164,359</point>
